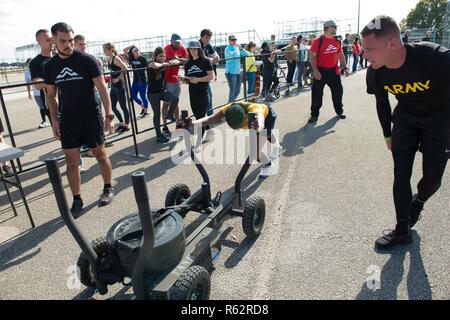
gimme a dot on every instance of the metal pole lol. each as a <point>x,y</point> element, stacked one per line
<point>133,124</point>
<point>244,78</point>
<point>131,103</point>
<point>22,193</point>
<point>359,14</point>
<point>8,125</point>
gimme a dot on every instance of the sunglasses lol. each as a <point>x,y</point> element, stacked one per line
<point>233,39</point>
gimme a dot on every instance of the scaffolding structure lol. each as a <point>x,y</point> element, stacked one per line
<point>146,45</point>
<point>306,27</point>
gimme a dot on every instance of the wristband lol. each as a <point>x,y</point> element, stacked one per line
<point>388,139</point>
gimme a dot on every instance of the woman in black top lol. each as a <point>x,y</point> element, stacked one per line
<point>156,92</point>
<point>198,72</point>
<point>139,86</point>
<point>117,93</point>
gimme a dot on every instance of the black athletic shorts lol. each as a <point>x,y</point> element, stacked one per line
<point>429,134</point>
<point>77,131</point>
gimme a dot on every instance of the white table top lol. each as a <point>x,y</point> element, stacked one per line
<point>8,153</point>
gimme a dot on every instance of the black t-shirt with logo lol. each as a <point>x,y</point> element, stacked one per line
<point>139,63</point>
<point>421,85</point>
<point>198,68</point>
<point>73,77</point>
<point>37,69</point>
<point>156,80</point>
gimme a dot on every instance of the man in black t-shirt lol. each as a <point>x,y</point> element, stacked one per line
<point>347,48</point>
<point>73,75</point>
<point>418,76</point>
<point>37,70</point>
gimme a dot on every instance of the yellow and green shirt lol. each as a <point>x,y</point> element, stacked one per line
<point>249,107</point>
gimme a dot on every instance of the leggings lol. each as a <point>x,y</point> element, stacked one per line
<point>117,94</point>
<point>141,89</point>
<point>433,167</point>
<point>430,136</point>
<point>270,83</point>
<point>199,104</point>
<point>155,101</point>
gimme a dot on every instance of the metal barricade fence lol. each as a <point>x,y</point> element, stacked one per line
<point>135,130</point>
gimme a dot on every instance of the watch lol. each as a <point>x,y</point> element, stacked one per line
<point>110,117</point>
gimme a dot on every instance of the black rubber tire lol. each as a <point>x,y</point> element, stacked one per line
<point>193,284</point>
<point>102,248</point>
<point>177,194</point>
<point>254,217</point>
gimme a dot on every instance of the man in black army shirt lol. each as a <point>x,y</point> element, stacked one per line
<point>418,75</point>
<point>73,76</point>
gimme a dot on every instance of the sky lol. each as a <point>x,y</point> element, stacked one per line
<point>115,20</point>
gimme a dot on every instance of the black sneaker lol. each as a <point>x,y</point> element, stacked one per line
<point>142,112</point>
<point>416,209</point>
<point>162,139</point>
<point>171,117</point>
<point>77,207</point>
<point>342,116</point>
<point>107,197</point>
<point>166,131</point>
<point>392,239</point>
<point>313,120</point>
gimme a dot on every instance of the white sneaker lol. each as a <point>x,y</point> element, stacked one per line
<point>209,136</point>
<point>266,171</point>
<point>277,151</point>
<point>82,170</point>
<point>42,125</point>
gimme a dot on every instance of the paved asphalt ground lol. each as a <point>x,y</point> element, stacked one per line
<point>331,199</point>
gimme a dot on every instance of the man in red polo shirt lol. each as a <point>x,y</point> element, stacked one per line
<point>176,54</point>
<point>326,56</point>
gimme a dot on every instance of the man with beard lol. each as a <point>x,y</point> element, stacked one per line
<point>73,75</point>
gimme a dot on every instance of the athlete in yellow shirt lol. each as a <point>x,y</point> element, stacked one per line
<point>236,115</point>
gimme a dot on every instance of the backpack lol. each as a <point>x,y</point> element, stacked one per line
<point>320,46</point>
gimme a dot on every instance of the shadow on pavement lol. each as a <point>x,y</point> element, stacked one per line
<point>392,274</point>
<point>295,142</point>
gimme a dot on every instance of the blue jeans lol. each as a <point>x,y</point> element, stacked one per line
<point>269,123</point>
<point>141,88</point>
<point>234,83</point>
<point>298,76</point>
<point>251,80</point>
<point>210,105</point>
<point>355,62</point>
